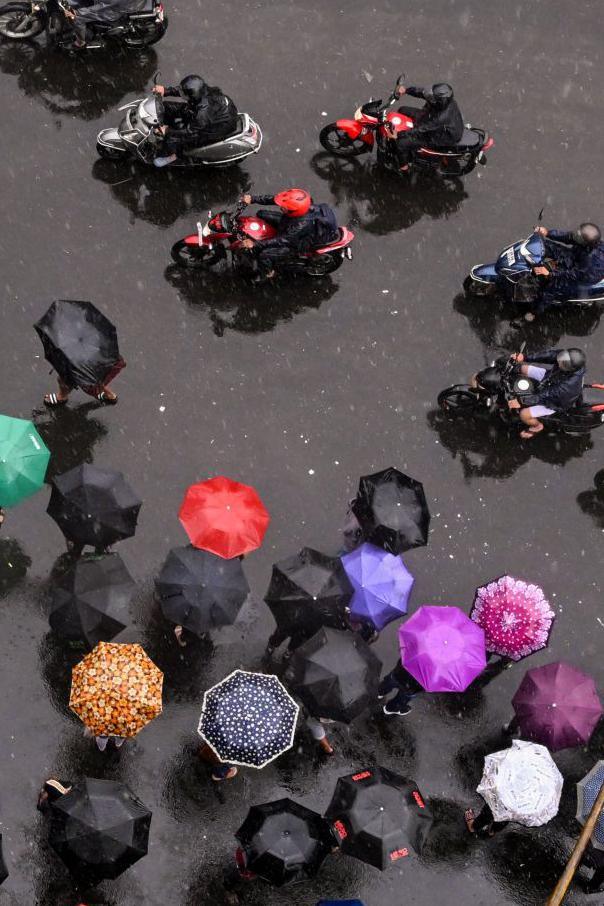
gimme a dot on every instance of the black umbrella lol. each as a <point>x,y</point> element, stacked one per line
<point>3,868</point>
<point>79,342</point>
<point>99,829</point>
<point>392,511</point>
<point>200,590</point>
<point>335,674</point>
<point>93,506</point>
<point>90,601</point>
<point>284,841</point>
<point>378,816</point>
<point>309,590</point>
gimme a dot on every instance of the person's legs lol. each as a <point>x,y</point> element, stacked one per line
<point>399,704</point>
<point>406,146</point>
<point>318,733</point>
<point>60,398</point>
<point>101,742</point>
<point>596,882</point>
<point>529,416</point>
<point>387,684</point>
<point>270,259</point>
<point>276,639</point>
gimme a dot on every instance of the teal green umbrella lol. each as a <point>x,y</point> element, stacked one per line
<point>23,460</point>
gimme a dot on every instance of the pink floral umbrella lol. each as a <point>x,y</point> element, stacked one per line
<point>515,615</point>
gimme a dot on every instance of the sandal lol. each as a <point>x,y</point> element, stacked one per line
<point>469,817</point>
<point>51,400</point>
<point>106,400</point>
<point>528,435</point>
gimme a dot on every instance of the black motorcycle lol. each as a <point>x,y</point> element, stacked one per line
<point>501,382</point>
<point>22,21</point>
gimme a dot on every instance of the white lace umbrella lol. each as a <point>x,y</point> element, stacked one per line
<point>522,784</point>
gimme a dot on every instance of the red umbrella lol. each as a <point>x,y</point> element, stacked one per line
<point>224,517</point>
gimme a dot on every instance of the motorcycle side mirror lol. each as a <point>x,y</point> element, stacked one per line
<point>156,77</point>
<point>401,79</point>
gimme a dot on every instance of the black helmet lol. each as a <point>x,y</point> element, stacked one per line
<point>193,87</point>
<point>588,235</point>
<point>571,359</point>
<point>442,94</point>
<point>489,379</point>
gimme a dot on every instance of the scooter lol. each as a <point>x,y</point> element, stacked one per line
<point>370,129</point>
<point>21,21</point>
<point>224,232</point>
<point>502,381</point>
<point>511,276</point>
<point>139,136</point>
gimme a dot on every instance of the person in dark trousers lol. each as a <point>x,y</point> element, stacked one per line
<point>83,16</point>
<point>406,687</point>
<point>438,123</point>
<point>594,858</point>
<point>209,116</point>
<point>296,224</point>
<point>99,392</point>
<point>220,770</point>
<point>581,261</point>
<point>483,824</point>
<point>560,374</point>
<point>296,635</point>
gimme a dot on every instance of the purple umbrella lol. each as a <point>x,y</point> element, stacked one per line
<point>442,648</point>
<point>557,705</point>
<point>381,583</point>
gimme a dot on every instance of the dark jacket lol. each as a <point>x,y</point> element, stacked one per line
<point>578,264</point>
<point>213,118</point>
<point>294,233</point>
<point>559,389</point>
<point>437,126</point>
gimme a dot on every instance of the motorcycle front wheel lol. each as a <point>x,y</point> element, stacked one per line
<point>195,256</point>
<point>12,19</point>
<point>458,400</point>
<point>147,38</point>
<point>337,142</point>
<point>322,265</point>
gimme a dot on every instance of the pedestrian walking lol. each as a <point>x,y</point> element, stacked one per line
<point>220,770</point>
<point>319,734</point>
<point>483,824</point>
<point>406,688</point>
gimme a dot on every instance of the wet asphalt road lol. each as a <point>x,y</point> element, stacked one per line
<point>299,391</point>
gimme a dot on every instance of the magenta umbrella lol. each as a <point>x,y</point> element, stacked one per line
<point>557,705</point>
<point>442,648</point>
<point>515,615</point>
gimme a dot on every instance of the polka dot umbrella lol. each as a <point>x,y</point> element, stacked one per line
<point>588,790</point>
<point>248,719</point>
<point>515,615</point>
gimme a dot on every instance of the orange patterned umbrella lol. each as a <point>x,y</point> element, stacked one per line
<point>116,690</point>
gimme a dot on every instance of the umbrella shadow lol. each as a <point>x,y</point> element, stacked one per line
<point>469,760</point>
<point>501,324</point>
<point>162,197</point>
<point>379,201</point>
<point>464,706</point>
<point>591,502</point>
<point>84,86</point>
<point>190,792</point>
<point>236,304</point>
<point>185,669</point>
<point>448,840</point>
<point>69,435</point>
<point>489,449</point>
<point>57,659</point>
<point>14,563</point>
<point>526,863</point>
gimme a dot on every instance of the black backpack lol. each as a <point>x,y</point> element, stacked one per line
<point>326,228</point>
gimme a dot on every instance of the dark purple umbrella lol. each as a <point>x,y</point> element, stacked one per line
<point>381,583</point>
<point>557,705</point>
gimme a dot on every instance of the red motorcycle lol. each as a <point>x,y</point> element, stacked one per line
<point>224,232</point>
<point>370,128</point>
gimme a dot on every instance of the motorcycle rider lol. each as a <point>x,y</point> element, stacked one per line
<point>439,122</point>
<point>583,262</point>
<point>210,115</point>
<point>104,13</point>
<point>560,374</point>
<point>296,226</point>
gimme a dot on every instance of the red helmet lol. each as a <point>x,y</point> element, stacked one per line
<point>295,202</point>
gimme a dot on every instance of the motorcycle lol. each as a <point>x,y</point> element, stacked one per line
<point>224,232</point>
<point>369,129</point>
<point>511,276</point>
<point>139,136</point>
<point>22,21</point>
<point>501,382</point>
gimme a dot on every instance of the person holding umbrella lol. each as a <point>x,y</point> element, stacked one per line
<point>406,687</point>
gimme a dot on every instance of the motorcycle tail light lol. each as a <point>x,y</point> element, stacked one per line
<point>216,222</point>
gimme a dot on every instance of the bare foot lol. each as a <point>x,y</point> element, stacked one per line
<point>469,817</point>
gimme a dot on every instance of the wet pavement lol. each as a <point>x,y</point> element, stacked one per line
<point>299,390</point>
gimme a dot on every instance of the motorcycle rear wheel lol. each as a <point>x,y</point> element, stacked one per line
<point>337,142</point>
<point>10,19</point>
<point>195,256</point>
<point>458,400</point>
<point>322,265</point>
<point>146,39</point>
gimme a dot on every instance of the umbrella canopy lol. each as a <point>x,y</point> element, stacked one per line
<point>90,601</point>
<point>442,648</point>
<point>588,790</point>
<point>378,816</point>
<point>515,616</point>
<point>557,705</point>
<point>23,460</point>
<point>392,510</point>
<point>284,841</point>
<point>3,868</point>
<point>381,584</point>
<point>248,719</point>
<point>522,784</point>
<point>116,690</point>
<point>79,342</point>
<point>335,674</point>
<point>199,590</point>
<point>94,506</point>
<point>99,829</point>
<point>224,517</point>
<point>309,589</point>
